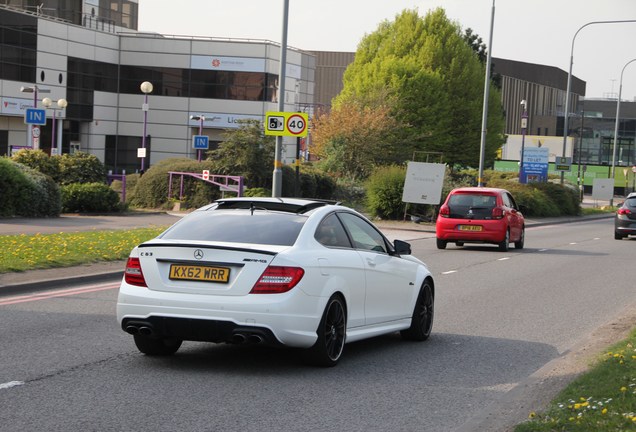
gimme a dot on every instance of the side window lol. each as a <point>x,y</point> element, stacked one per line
<point>510,201</point>
<point>331,233</point>
<point>364,235</point>
<point>506,200</point>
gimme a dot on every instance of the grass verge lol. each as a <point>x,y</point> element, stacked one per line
<point>28,252</point>
<point>603,399</point>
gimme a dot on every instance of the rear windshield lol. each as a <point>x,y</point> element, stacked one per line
<point>471,206</point>
<point>238,226</point>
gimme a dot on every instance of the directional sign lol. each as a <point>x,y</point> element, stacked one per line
<point>563,163</point>
<point>200,142</point>
<point>206,175</point>
<point>286,124</point>
<point>35,116</point>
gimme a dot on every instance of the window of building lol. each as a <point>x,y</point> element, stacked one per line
<point>121,153</point>
<point>18,46</point>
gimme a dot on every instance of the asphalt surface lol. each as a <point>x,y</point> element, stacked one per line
<point>17,282</point>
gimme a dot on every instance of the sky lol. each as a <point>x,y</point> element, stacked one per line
<point>532,31</point>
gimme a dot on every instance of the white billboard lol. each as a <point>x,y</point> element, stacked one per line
<point>423,183</point>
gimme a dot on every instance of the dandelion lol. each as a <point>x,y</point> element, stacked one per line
<point>532,415</point>
<point>623,389</point>
<point>604,411</point>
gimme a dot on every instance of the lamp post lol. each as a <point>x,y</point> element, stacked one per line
<point>200,119</point>
<point>146,88</point>
<point>484,115</point>
<point>61,104</point>
<point>524,127</point>
<point>32,89</point>
<point>566,114</point>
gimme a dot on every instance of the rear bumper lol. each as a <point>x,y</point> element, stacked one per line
<point>290,319</point>
<point>449,231</point>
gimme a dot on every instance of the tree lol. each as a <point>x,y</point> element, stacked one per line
<point>351,139</point>
<point>246,152</point>
<point>434,82</point>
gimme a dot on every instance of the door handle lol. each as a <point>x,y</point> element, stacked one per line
<point>371,262</point>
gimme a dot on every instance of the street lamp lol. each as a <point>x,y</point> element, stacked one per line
<point>61,104</point>
<point>618,113</point>
<point>566,114</point>
<point>32,89</point>
<point>484,113</point>
<point>524,127</point>
<point>146,87</point>
<point>200,119</point>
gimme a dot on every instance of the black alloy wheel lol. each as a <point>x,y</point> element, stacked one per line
<point>423,312</point>
<point>332,332</point>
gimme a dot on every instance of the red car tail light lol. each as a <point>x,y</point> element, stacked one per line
<point>624,211</point>
<point>277,280</point>
<point>133,274</point>
<point>444,211</point>
<point>498,213</point>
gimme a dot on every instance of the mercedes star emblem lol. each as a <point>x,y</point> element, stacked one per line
<point>198,254</point>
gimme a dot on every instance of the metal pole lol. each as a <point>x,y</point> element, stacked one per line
<point>578,176</point>
<point>30,127</point>
<point>143,138</point>
<point>524,126</point>
<point>566,113</point>
<point>484,119</point>
<point>618,114</point>
<point>277,181</point>
<point>53,147</point>
<point>201,118</point>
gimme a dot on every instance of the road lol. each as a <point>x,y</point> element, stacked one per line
<point>501,319</point>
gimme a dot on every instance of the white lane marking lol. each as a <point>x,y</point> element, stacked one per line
<point>542,250</point>
<point>10,384</point>
<point>449,272</point>
<point>573,243</point>
<point>503,259</point>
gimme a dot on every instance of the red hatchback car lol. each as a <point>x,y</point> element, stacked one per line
<point>480,215</point>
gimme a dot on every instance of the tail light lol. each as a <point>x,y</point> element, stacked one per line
<point>624,211</point>
<point>498,213</point>
<point>277,280</point>
<point>133,274</point>
<point>444,211</point>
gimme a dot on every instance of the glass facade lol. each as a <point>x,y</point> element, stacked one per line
<point>18,46</point>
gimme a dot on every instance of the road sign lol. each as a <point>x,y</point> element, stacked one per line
<point>35,116</point>
<point>200,142</point>
<point>206,175</point>
<point>286,124</point>
<point>36,132</point>
<point>563,164</point>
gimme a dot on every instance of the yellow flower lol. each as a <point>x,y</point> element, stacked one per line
<point>532,415</point>
<point>623,389</point>
<point>604,411</point>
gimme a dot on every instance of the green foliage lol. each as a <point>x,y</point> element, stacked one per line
<point>89,197</point>
<point>40,161</point>
<point>257,192</point>
<point>27,192</point>
<point>80,167</point>
<point>384,192</point>
<point>151,190</point>
<point>246,152</point>
<point>313,183</point>
<point>434,82</point>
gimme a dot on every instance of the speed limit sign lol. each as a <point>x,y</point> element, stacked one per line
<point>296,124</point>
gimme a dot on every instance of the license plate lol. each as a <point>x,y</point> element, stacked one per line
<point>199,273</point>
<point>470,227</point>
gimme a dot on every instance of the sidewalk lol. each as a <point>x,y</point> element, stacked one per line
<point>16,282</point>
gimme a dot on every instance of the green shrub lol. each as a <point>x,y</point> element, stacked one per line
<point>257,192</point>
<point>151,190</point>
<point>40,161</point>
<point>89,197</point>
<point>80,167</point>
<point>313,183</point>
<point>384,192</point>
<point>27,192</point>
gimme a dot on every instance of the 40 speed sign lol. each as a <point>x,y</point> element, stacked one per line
<point>286,124</point>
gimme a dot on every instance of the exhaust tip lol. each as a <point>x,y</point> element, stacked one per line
<point>255,339</point>
<point>238,338</point>
<point>132,330</point>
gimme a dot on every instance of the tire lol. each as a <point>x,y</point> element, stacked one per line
<point>422,319</point>
<point>505,244</point>
<point>157,346</point>
<point>522,238</point>
<point>332,333</point>
<point>441,244</point>
<point>618,236</point>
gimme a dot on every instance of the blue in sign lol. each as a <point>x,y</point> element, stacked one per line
<point>35,116</point>
<point>200,142</point>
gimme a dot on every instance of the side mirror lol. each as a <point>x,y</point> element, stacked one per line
<point>402,247</point>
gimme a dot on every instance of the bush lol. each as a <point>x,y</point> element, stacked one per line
<point>80,167</point>
<point>152,188</point>
<point>313,183</point>
<point>89,197</point>
<point>27,192</point>
<point>384,192</point>
<point>40,161</point>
